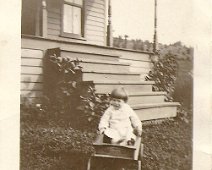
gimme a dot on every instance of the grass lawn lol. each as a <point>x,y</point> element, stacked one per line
<point>167,146</point>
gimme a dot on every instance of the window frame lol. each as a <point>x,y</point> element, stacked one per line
<point>72,35</point>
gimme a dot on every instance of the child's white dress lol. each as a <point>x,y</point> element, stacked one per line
<point>119,124</point>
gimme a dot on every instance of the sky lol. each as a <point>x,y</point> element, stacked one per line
<point>136,19</point>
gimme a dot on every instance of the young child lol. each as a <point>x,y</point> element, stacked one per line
<point>119,123</point>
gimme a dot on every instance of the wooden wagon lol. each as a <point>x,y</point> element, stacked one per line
<point>114,151</point>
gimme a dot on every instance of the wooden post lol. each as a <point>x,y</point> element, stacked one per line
<point>37,19</point>
<point>44,19</point>
<point>109,26</point>
<point>155,43</point>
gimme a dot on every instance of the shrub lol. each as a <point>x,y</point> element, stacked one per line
<point>184,84</point>
<point>164,74</point>
<point>53,146</point>
<point>74,99</point>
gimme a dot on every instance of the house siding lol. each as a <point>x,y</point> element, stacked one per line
<point>94,21</point>
<point>31,73</point>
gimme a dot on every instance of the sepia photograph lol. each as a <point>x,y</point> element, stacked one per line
<point>110,85</point>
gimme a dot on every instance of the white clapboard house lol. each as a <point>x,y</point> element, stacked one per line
<point>78,28</point>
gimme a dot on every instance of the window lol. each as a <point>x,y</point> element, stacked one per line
<point>31,20</point>
<point>72,18</point>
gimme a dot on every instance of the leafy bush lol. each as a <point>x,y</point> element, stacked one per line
<point>61,86</point>
<point>184,84</point>
<point>164,74</point>
<point>53,146</point>
<point>73,99</point>
<point>93,106</point>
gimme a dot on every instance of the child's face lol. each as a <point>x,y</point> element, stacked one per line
<point>116,103</point>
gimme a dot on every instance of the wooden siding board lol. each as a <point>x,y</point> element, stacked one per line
<point>96,24</point>
<point>54,10</point>
<point>53,20</point>
<point>54,15</point>
<point>31,62</point>
<point>31,70</point>
<point>96,19</point>
<point>99,11</point>
<point>96,1</point>
<point>95,14</point>
<point>95,5</point>
<point>53,26</point>
<point>32,53</point>
<point>95,33</point>
<point>53,32</point>
<point>93,28</point>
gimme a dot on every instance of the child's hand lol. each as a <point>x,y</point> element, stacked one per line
<point>137,132</point>
<point>102,130</point>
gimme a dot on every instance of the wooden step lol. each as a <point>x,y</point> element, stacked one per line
<point>146,97</point>
<point>109,75</point>
<point>137,63</point>
<point>130,86</point>
<point>156,110</point>
<point>139,70</point>
<point>133,55</point>
<point>103,65</point>
<point>74,54</point>
<point>143,76</point>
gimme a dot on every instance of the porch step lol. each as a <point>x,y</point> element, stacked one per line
<point>146,97</point>
<point>133,55</point>
<point>143,67</point>
<point>139,70</point>
<point>74,54</point>
<point>143,76</point>
<point>104,65</point>
<point>156,110</point>
<point>130,86</point>
<point>108,75</point>
<point>137,63</point>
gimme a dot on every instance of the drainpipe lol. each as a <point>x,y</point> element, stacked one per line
<point>109,26</point>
